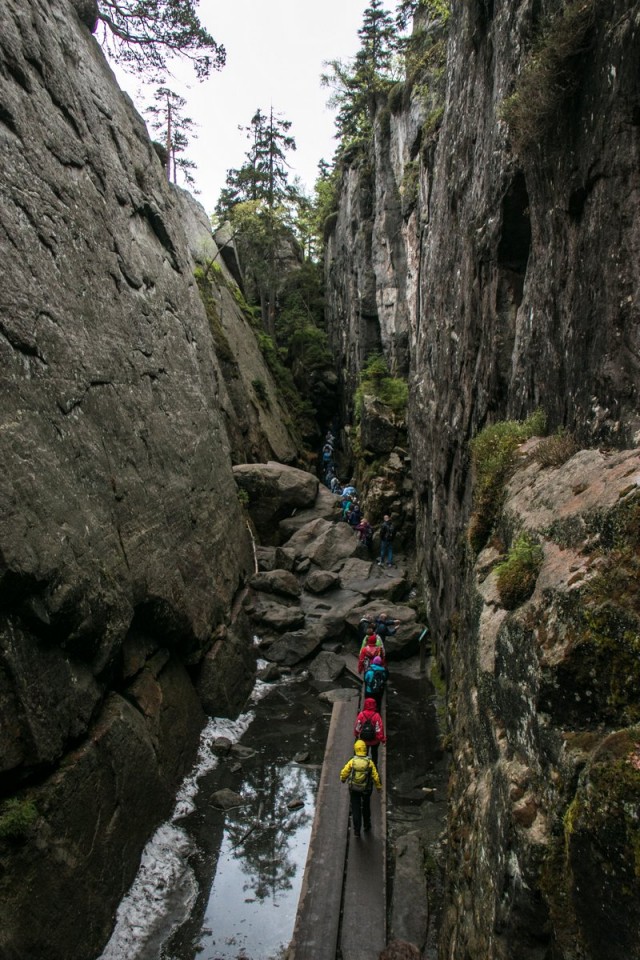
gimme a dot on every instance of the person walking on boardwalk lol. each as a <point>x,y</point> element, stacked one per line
<point>371,647</point>
<point>362,774</point>
<point>375,681</point>
<point>368,727</point>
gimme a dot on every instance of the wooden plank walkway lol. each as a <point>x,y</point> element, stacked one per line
<point>335,896</point>
<point>315,936</point>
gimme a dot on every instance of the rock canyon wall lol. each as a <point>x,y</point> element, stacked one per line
<point>122,541</point>
<point>488,243</point>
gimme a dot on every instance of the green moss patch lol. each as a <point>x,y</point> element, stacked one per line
<point>493,454</point>
<point>517,575</point>
<point>17,817</point>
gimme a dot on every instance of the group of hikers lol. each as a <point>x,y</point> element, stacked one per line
<point>361,771</point>
<point>351,510</point>
<point>351,513</point>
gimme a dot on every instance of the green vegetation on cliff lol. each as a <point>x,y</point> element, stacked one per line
<point>517,575</point>
<point>17,816</point>
<point>550,73</point>
<point>494,458</point>
<point>376,381</point>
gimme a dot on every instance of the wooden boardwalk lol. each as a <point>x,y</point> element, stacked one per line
<point>342,907</point>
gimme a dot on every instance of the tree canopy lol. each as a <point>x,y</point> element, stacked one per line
<point>355,82</point>
<point>143,35</point>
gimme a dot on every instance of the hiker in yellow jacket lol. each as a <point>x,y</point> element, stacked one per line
<point>361,773</point>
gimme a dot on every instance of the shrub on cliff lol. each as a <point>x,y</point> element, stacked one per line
<point>16,818</point>
<point>517,575</point>
<point>376,381</point>
<point>493,455</point>
<point>555,450</point>
<point>550,74</point>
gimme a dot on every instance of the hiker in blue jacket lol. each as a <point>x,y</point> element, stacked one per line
<point>375,681</point>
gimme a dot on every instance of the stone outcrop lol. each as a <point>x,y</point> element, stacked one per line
<point>122,541</point>
<point>274,491</point>
<point>546,771</point>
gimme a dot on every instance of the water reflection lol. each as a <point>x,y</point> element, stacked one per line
<point>226,885</point>
<point>254,896</point>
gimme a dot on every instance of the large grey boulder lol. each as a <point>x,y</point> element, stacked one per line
<point>325,507</point>
<point>292,648</point>
<point>325,543</point>
<point>276,581</point>
<point>275,490</point>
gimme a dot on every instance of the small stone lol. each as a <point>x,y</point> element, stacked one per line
<point>295,804</point>
<point>302,756</point>
<point>226,799</point>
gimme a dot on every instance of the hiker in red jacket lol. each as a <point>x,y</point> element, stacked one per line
<point>372,647</point>
<point>369,728</point>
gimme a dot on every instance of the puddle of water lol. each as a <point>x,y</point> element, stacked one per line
<point>226,885</point>
<point>252,906</point>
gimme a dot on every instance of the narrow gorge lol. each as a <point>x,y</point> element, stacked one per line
<point>484,242</point>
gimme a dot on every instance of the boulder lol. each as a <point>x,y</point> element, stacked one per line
<point>324,508</point>
<point>226,799</point>
<point>329,615</point>
<point>275,616</point>
<point>380,430</point>
<point>291,648</point>
<point>275,558</point>
<point>226,674</point>
<point>276,581</point>
<point>326,666</point>
<point>275,490</point>
<point>324,543</point>
<point>321,581</point>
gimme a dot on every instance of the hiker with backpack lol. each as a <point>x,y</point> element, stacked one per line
<point>365,628</point>
<point>375,681</point>
<point>365,533</point>
<point>387,531</point>
<point>372,647</point>
<point>362,774</point>
<point>354,515</point>
<point>368,728</point>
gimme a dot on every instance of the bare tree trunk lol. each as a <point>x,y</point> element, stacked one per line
<point>169,139</point>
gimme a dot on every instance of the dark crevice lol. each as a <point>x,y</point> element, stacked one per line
<point>579,197</point>
<point>26,347</point>
<point>20,77</point>
<point>152,215</point>
<point>515,241</point>
<point>7,118</point>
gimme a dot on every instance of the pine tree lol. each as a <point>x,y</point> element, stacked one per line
<point>143,35</point>
<point>260,203</point>
<point>167,118</point>
<point>356,82</point>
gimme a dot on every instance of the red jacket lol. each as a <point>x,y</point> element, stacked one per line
<point>370,712</point>
<point>368,652</point>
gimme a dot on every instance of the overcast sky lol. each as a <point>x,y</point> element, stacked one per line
<point>275,54</point>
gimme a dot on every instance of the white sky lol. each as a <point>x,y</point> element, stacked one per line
<point>275,54</point>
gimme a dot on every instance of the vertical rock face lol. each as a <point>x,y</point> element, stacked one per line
<point>122,544</point>
<point>511,280</point>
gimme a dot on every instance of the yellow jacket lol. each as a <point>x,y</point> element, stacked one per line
<point>344,773</point>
